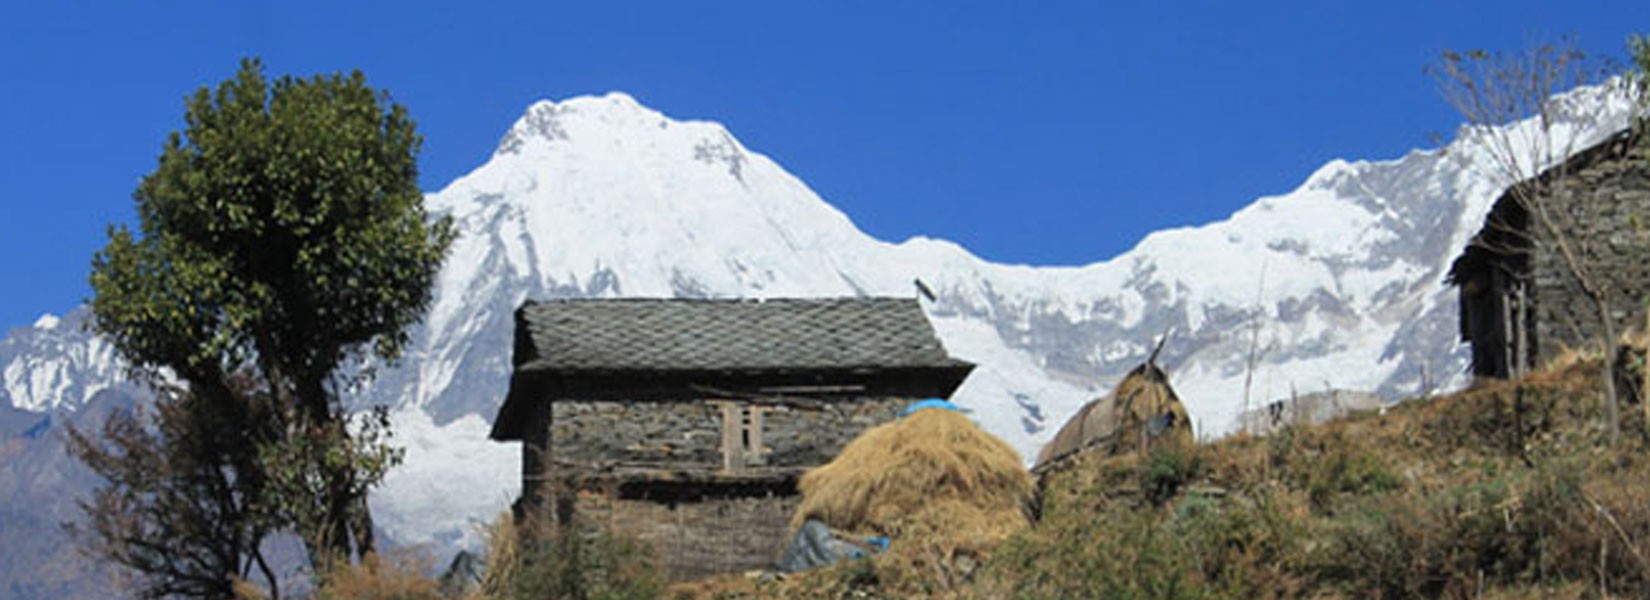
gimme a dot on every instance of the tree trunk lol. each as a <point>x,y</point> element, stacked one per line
<point>1522,314</point>
<point>1611,402</point>
<point>362,524</point>
<point>269,574</point>
<point>346,521</point>
<point>1509,337</point>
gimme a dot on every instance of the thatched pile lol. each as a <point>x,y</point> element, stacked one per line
<point>933,473</point>
<point>1142,412</point>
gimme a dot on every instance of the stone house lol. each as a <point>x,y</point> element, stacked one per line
<point>687,423</point>
<point>1520,304</point>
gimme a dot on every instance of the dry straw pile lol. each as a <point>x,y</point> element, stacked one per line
<point>932,475</point>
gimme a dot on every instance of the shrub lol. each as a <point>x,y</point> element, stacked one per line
<point>1124,553</point>
<point>1166,468</point>
<point>1528,528</point>
<point>567,560</point>
<point>1194,544</point>
<point>1346,470</point>
<point>1242,547</point>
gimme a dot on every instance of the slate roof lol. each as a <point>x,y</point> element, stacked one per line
<point>710,335</point>
<point>675,349</point>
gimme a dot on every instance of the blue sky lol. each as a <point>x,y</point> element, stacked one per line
<point>1029,132</point>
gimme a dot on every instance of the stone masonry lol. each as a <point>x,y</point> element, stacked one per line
<point>1604,210</point>
<point>692,539</point>
<point>689,434</point>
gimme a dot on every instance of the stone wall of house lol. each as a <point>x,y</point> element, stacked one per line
<point>692,539</point>
<point>1605,211</point>
<point>806,438</point>
<point>689,434</point>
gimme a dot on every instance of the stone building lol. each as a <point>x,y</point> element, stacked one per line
<point>686,423</point>
<point>1520,301</point>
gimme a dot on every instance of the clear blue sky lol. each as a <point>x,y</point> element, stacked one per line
<point>1031,132</point>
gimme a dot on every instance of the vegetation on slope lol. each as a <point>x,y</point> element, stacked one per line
<point>1506,490</point>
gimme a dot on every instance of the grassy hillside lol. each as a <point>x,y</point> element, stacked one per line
<point>1508,490</point>
<point>1505,490</point>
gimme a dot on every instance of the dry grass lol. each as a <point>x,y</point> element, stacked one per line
<point>943,490</point>
<point>579,559</point>
<point>400,577</point>
<point>246,590</point>
<point>894,474</point>
<point>503,557</point>
<point>1507,490</point>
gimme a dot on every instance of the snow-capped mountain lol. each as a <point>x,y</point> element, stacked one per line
<point>55,365</point>
<point>1336,284</point>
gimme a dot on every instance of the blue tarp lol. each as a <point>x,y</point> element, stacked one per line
<point>816,546</point>
<point>930,403</point>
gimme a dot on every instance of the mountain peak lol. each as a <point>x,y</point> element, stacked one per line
<point>603,194</point>
<point>551,121</point>
<point>611,104</point>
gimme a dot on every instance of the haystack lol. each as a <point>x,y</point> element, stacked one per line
<point>1142,412</point>
<point>931,473</point>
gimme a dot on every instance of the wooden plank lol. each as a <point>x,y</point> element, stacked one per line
<point>757,453</point>
<point>767,400</point>
<point>733,447</point>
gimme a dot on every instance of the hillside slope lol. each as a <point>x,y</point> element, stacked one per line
<point>1509,490</point>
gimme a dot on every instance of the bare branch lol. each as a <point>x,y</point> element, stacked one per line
<point>1525,118</point>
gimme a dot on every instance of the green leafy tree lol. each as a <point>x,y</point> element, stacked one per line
<point>282,237</point>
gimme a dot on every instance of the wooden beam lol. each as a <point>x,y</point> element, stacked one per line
<point>733,446</point>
